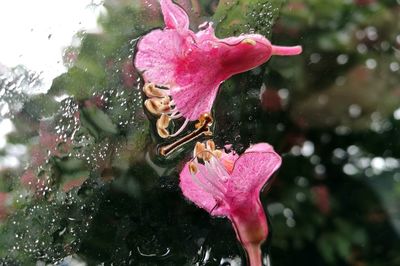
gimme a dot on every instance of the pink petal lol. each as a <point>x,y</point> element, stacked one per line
<point>194,99</point>
<point>260,147</point>
<point>252,170</point>
<point>157,54</point>
<point>228,160</point>
<point>195,193</point>
<point>206,33</point>
<point>197,80</point>
<point>175,17</point>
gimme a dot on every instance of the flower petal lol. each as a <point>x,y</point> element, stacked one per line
<point>157,54</point>
<point>195,98</point>
<point>175,16</point>
<point>228,160</point>
<point>260,147</point>
<point>194,191</point>
<point>206,33</point>
<point>252,170</point>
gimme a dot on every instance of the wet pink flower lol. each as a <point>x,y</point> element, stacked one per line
<point>189,67</point>
<point>226,184</point>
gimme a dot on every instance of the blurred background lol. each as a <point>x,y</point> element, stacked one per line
<point>80,179</point>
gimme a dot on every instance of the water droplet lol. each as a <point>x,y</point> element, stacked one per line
<point>350,169</point>
<point>396,114</point>
<point>394,66</point>
<point>315,58</point>
<point>362,48</point>
<point>371,33</point>
<point>290,222</point>
<point>354,110</point>
<point>371,63</point>
<point>342,59</point>
<point>307,149</point>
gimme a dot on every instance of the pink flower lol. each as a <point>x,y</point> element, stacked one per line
<point>189,67</point>
<point>226,184</point>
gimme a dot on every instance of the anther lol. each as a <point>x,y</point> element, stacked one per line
<point>166,100</point>
<point>192,168</point>
<point>199,148</point>
<point>163,121</point>
<point>151,107</point>
<point>156,106</point>
<point>162,132</point>
<point>207,155</point>
<point>152,91</point>
<point>210,145</point>
<point>162,125</point>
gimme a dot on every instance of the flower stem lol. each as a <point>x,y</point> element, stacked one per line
<point>253,254</point>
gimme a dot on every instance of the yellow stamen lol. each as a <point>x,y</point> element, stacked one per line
<point>156,106</point>
<point>152,91</point>
<point>199,149</point>
<point>166,100</point>
<point>150,107</point>
<point>162,132</point>
<point>210,145</point>
<point>192,168</point>
<point>207,155</point>
<point>163,121</point>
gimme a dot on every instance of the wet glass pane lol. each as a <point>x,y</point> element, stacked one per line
<point>94,141</point>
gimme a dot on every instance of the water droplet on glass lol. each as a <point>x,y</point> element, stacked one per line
<point>354,110</point>
<point>342,59</point>
<point>394,66</point>
<point>371,63</point>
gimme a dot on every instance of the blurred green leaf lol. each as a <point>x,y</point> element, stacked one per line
<point>98,122</point>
